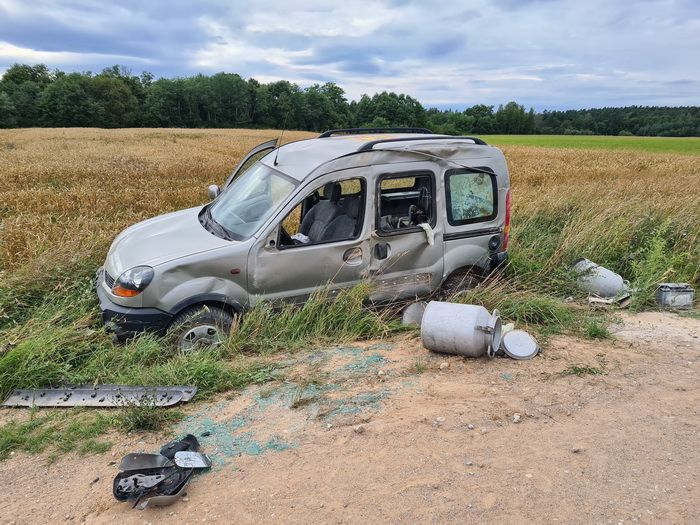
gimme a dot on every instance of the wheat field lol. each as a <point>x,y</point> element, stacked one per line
<point>65,194</point>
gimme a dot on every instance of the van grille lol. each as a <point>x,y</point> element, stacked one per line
<point>109,280</point>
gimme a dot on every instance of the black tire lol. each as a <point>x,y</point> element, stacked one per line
<point>458,282</point>
<point>198,327</point>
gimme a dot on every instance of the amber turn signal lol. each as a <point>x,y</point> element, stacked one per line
<point>120,291</point>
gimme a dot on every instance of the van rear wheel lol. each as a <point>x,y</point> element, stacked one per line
<point>458,283</point>
<point>200,327</point>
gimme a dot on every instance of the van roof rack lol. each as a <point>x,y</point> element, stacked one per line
<point>368,146</point>
<point>357,131</point>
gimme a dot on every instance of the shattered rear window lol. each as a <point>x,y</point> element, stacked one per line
<point>471,197</point>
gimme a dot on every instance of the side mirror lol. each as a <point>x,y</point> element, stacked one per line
<point>213,191</point>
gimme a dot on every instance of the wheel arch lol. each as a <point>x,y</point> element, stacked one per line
<point>474,269</point>
<point>212,299</point>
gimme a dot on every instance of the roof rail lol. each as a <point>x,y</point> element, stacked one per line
<point>368,146</point>
<point>357,131</point>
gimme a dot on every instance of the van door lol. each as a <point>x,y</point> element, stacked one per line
<point>406,242</point>
<point>320,239</point>
<point>474,219</point>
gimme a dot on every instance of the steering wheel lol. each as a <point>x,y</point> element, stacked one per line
<point>413,212</point>
<point>424,199</point>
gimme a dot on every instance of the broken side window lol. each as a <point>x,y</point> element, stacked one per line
<point>471,196</point>
<point>405,202</point>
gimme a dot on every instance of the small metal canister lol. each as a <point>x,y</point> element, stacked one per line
<point>675,295</point>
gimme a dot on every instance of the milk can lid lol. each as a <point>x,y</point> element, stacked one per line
<point>518,344</point>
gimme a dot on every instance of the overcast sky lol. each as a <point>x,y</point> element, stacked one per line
<point>543,53</point>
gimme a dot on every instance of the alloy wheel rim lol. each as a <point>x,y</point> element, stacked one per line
<point>199,337</point>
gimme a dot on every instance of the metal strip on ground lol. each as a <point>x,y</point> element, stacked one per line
<point>100,396</point>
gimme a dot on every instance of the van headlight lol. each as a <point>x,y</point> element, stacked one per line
<point>132,282</point>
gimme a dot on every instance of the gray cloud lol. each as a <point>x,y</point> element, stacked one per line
<point>542,53</point>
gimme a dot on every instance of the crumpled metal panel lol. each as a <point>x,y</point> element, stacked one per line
<point>142,482</point>
<point>100,396</point>
<point>128,485</point>
<point>163,501</point>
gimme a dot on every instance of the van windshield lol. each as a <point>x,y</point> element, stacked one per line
<point>250,200</point>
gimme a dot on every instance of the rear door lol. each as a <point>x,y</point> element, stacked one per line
<point>473,218</point>
<point>254,155</point>
<point>406,246</point>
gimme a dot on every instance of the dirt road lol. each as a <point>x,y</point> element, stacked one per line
<point>385,433</point>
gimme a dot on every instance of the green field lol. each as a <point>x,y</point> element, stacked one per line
<point>683,145</point>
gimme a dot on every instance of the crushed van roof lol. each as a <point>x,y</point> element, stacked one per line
<point>301,158</point>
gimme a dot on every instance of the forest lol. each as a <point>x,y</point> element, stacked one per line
<point>36,96</point>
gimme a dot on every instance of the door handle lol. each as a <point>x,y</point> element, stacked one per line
<point>353,256</point>
<point>381,250</point>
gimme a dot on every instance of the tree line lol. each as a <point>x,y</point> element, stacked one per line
<point>35,96</point>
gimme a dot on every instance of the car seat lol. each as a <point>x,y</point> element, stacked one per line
<point>344,226</point>
<point>315,224</point>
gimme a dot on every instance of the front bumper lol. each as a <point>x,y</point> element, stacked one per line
<point>126,322</point>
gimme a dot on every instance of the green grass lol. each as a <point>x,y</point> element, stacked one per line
<point>419,366</point>
<point>79,430</point>
<point>539,311</point>
<point>656,263</point>
<point>682,145</point>
<point>58,431</point>
<point>321,319</point>
<point>582,370</point>
<point>645,248</point>
<point>60,340</point>
<point>597,329</point>
<point>145,418</point>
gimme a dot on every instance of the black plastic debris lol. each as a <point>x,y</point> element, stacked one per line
<point>158,479</point>
<point>189,442</point>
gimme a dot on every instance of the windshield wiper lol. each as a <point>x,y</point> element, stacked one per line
<point>212,226</point>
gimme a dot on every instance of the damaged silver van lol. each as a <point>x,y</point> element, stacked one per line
<point>411,211</point>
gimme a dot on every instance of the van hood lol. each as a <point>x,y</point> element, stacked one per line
<point>161,239</point>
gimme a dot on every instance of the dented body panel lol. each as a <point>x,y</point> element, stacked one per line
<point>192,265</point>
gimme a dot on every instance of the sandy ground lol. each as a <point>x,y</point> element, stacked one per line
<point>391,434</point>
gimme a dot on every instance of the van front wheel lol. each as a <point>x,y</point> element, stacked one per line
<point>199,327</point>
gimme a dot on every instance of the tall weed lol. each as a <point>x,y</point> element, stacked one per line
<point>654,264</point>
<point>321,319</point>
